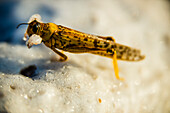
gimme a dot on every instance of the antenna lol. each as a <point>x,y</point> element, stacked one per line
<point>22,24</point>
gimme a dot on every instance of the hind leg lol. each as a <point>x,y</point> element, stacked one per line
<point>115,65</point>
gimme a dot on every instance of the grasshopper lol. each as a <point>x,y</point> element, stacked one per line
<point>69,40</point>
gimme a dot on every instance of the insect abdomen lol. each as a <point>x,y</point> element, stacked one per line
<point>128,53</point>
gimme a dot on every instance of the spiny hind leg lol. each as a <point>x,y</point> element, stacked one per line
<point>63,57</point>
<point>116,66</point>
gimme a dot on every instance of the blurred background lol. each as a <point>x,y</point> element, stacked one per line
<point>109,17</point>
<point>143,24</point>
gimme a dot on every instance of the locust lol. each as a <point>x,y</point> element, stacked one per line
<point>60,38</point>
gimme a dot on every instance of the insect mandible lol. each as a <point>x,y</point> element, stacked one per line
<point>66,39</point>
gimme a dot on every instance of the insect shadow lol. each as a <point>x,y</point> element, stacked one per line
<point>33,69</point>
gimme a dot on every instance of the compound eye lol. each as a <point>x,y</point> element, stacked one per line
<point>35,28</point>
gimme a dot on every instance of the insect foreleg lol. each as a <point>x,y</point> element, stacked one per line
<point>63,57</point>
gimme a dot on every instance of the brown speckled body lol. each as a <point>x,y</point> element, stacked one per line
<point>77,42</point>
<point>66,39</point>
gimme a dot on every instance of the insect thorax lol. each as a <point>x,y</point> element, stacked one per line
<point>47,30</point>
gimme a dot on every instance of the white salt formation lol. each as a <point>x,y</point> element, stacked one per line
<point>33,40</point>
<point>35,17</point>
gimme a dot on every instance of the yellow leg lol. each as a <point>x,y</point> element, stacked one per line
<point>63,57</point>
<point>116,66</point>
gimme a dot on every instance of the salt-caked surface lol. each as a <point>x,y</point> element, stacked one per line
<point>86,83</point>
